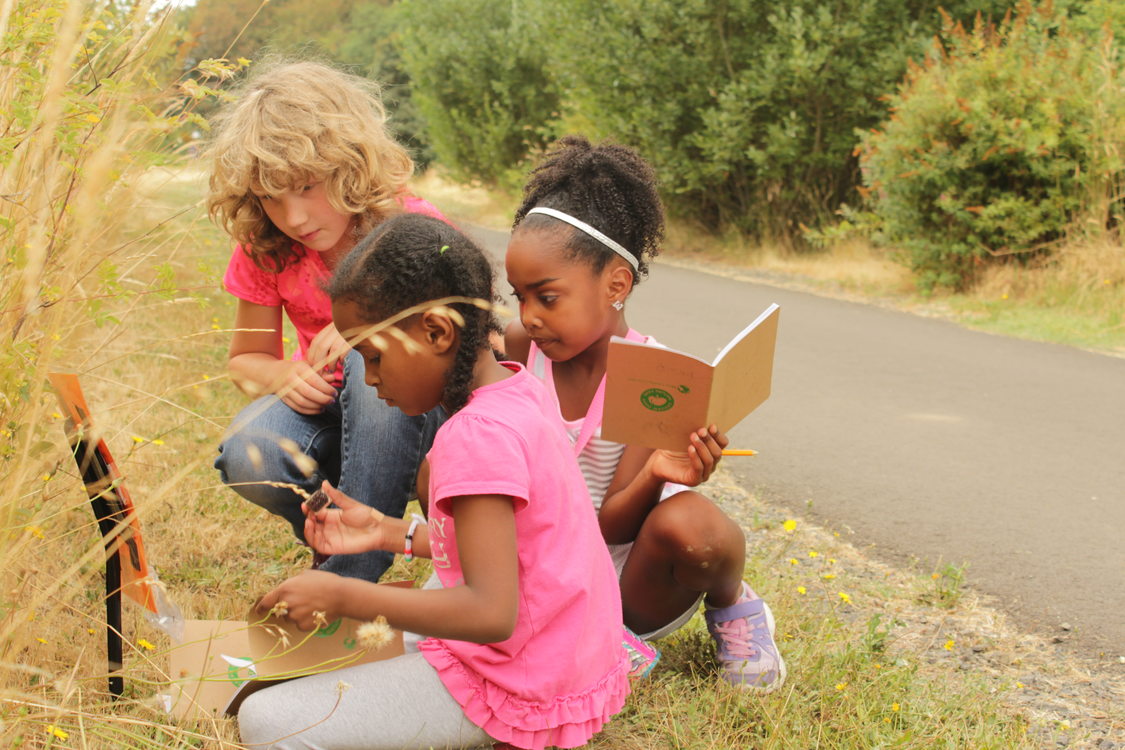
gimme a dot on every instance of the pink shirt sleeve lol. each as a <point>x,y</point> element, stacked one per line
<point>478,456</point>
<point>245,280</point>
<point>412,204</point>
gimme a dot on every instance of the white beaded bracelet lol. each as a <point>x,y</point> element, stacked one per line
<point>408,547</point>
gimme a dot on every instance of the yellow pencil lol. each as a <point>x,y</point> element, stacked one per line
<point>733,452</point>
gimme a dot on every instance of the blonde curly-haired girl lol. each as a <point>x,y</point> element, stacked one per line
<point>302,167</point>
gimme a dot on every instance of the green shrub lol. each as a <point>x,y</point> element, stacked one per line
<point>480,83</point>
<point>999,144</point>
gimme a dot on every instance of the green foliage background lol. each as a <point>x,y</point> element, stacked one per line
<point>481,83</point>
<point>748,108</point>
<point>753,112</point>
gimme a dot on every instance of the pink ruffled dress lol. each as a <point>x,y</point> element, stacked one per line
<point>562,673</point>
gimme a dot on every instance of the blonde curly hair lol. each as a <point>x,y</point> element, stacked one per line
<point>295,123</point>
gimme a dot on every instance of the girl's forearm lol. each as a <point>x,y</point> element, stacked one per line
<point>623,512</point>
<point>457,613</point>
<point>256,373</point>
<point>394,536</point>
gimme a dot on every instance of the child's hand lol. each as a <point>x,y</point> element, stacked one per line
<point>304,390</point>
<point>304,596</point>
<point>694,466</point>
<point>348,528</point>
<point>326,351</point>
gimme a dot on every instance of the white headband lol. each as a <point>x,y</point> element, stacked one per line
<point>583,226</point>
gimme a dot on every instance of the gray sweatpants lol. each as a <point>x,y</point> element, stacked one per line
<point>397,704</point>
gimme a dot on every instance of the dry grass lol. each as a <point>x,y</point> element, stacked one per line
<point>852,267</point>
<point>488,208</point>
<point>112,271</point>
<point>1076,297</point>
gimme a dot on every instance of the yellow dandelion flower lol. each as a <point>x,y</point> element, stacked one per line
<point>35,531</point>
<point>91,631</point>
<point>138,439</point>
<point>789,525</point>
<point>56,732</point>
<point>42,640</point>
<point>145,644</point>
<point>836,533</point>
<point>792,561</point>
<point>828,576</point>
<point>1019,684</point>
<point>886,720</point>
<point>845,598</point>
<point>214,320</point>
<point>374,635</point>
<point>158,441</point>
<point>1064,724</point>
<point>46,477</point>
<point>802,590</point>
<point>832,561</point>
<point>1004,296</point>
<point>93,118</point>
<point>214,326</point>
<point>877,665</point>
<point>56,415</point>
<point>935,576</point>
<point>813,553</point>
<point>841,686</point>
<point>286,340</point>
<point>948,645</point>
<point>56,337</point>
<point>206,377</point>
<point>895,707</point>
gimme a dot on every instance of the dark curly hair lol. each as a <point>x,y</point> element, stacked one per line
<point>608,186</point>
<point>411,259</point>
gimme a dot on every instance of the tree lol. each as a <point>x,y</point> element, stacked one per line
<point>480,82</point>
<point>747,108</point>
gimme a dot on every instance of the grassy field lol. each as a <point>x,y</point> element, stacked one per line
<point>877,657</point>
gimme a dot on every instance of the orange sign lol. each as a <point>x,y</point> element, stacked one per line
<point>117,517</point>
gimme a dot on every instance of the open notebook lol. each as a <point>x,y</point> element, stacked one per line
<point>655,397</point>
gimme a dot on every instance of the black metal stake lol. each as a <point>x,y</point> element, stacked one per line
<point>113,640</point>
<point>110,512</point>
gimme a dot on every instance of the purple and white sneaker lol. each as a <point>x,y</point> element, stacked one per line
<point>745,648</point>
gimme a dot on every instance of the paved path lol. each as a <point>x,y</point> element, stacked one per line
<point>930,441</point>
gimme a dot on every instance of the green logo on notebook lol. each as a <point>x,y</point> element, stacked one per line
<point>329,630</point>
<point>657,399</point>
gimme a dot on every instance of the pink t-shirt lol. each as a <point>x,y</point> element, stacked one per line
<point>562,673</point>
<point>297,288</point>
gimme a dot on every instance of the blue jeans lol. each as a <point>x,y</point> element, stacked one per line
<point>369,450</point>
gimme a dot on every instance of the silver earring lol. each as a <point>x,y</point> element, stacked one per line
<point>618,305</point>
